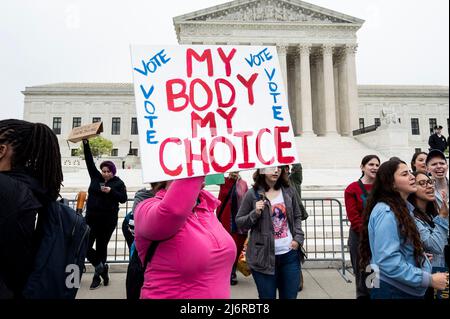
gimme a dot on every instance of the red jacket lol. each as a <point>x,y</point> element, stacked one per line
<point>353,196</point>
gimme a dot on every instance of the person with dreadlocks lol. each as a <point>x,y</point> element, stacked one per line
<point>390,241</point>
<point>105,192</point>
<point>30,178</point>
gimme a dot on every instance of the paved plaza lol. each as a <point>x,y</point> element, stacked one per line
<point>318,284</point>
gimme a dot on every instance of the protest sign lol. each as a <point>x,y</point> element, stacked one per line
<point>84,132</point>
<point>210,109</point>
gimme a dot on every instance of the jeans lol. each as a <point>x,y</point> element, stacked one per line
<point>387,291</point>
<point>286,278</point>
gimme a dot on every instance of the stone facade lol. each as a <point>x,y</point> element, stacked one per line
<point>111,100</point>
<point>419,108</point>
<point>72,102</point>
<point>316,49</point>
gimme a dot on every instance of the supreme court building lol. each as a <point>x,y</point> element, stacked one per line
<point>316,48</point>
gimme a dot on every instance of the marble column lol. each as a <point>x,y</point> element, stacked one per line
<point>328,85</point>
<point>345,129</point>
<point>350,51</point>
<point>318,108</point>
<point>305,121</point>
<point>292,91</point>
<point>282,55</point>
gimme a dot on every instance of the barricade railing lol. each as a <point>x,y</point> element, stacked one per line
<point>324,233</point>
<point>118,251</point>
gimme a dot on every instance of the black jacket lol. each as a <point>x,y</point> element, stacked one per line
<point>437,143</point>
<point>98,201</point>
<point>21,199</point>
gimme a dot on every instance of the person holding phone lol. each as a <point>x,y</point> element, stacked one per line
<point>271,212</point>
<point>106,191</point>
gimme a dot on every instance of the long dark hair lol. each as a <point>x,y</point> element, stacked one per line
<point>35,149</point>
<point>431,210</point>
<point>383,191</point>
<point>260,180</point>
<point>366,159</point>
<point>413,160</point>
<point>157,186</point>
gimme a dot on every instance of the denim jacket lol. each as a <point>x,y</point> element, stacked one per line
<point>434,239</point>
<point>392,256</point>
<point>439,198</point>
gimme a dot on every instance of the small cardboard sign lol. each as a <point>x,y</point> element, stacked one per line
<point>84,132</point>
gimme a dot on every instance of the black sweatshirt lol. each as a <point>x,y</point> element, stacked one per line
<point>21,198</point>
<point>98,201</point>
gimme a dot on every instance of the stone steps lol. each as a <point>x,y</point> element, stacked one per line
<point>319,152</point>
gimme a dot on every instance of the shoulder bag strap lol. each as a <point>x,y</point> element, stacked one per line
<point>150,252</point>
<point>363,189</point>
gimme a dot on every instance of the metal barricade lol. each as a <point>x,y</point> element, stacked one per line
<point>324,233</point>
<point>118,251</point>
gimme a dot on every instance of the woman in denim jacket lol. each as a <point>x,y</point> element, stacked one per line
<point>431,223</point>
<point>271,211</point>
<point>390,241</point>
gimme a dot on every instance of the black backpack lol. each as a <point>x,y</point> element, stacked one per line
<point>135,271</point>
<point>60,257</point>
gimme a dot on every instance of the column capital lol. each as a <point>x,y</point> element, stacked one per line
<point>350,48</point>
<point>282,49</point>
<point>304,49</point>
<point>327,49</point>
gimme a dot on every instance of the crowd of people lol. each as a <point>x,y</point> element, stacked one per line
<point>398,216</point>
<point>399,226</point>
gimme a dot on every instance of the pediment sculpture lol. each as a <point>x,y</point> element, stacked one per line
<point>269,11</point>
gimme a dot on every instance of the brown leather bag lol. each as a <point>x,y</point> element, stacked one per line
<point>242,265</point>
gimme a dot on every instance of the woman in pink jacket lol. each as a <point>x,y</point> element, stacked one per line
<point>195,255</point>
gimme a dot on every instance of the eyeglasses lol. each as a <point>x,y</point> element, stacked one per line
<point>425,183</point>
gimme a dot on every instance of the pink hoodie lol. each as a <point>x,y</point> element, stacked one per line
<point>195,255</point>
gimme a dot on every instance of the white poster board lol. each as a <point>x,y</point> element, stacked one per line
<point>210,109</point>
